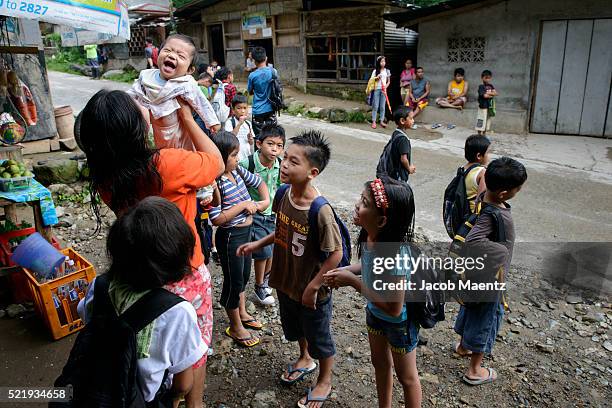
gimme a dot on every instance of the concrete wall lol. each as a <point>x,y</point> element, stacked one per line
<point>511,29</point>
<point>234,59</point>
<point>289,61</point>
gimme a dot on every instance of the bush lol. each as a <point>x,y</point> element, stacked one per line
<point>357,117</point>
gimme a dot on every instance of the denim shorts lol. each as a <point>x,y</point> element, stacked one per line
<point>403,337</point>
<point>263,225</point>
<point>300,322</point>
<point>478,324</point>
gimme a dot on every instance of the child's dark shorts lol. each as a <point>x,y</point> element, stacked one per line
<point>478,324</point>
<point>299,322</point>
<point>263,225</point>
<point>403,337</point>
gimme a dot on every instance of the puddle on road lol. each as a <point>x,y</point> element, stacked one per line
<point>425,134</point>
<point>422,133</point>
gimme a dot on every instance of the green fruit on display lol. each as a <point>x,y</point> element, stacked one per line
<point>6,175</point>
<point>14,169</point>
<point>28,173</point>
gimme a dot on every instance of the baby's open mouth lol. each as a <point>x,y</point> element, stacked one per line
<point>169,64</point>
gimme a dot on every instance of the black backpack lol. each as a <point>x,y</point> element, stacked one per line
<point>102,368</point>
<point>276,93</point>
<point>383,167</point>
<point>456,207</point>
<point>425,306</point>
<point>459,248</point>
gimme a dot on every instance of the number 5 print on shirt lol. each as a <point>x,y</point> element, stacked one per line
<point>298,247</point>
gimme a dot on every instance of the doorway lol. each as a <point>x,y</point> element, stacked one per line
<point>215,44</point>
<point>266,44</point>
<point>574,82</point>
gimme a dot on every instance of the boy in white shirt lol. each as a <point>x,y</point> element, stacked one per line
<point>240,126</point>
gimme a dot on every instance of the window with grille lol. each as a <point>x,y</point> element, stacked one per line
<point>137,44</point>
<point>466,49</point>
<point>342,57</point>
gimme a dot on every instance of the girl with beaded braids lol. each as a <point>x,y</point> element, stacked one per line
<point>385,212</point>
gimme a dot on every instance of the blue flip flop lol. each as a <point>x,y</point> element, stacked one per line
<point>303,372</point>
<point>310,398</point>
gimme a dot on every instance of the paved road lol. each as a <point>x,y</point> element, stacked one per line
<point>558,203</point>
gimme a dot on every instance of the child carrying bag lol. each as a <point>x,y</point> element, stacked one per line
<point>218,104</point>
<point>313,231</point>
<point>102,368</point>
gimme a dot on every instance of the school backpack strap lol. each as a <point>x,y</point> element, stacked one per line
<point>280,193</point>
<point>101,301</point>
<point>252,163</point>
<point>149,307</point>
<point>313,230</point>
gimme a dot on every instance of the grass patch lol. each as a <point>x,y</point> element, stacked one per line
<point>357,117</point>
<point>61,66</point>
<point>126,76</point>
<point>296,109</point>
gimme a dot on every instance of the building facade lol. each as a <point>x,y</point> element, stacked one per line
<point>320,45</point>
<point>551,61</point>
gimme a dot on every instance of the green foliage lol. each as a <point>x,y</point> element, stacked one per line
<point>53,40</point>
<point>9,226</point>
<point>357,117</point>
<point>126,76</point>
<point>296,109</point>
<point>53,65</point>
<point>74,198</point>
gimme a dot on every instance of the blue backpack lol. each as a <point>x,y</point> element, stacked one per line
<point>313,224</point>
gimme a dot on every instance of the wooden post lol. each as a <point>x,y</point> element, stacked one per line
<point>10,213</point>
<point>46,232</point>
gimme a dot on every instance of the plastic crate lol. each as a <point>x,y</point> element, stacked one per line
<point>62,320</point>
<point>15,183</point>
<point>19,283</point>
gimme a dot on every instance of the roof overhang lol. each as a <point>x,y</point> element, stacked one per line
<point>415,15</point>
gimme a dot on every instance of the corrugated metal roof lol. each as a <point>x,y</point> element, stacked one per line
<point>397,38</point>
<point>415,13</point>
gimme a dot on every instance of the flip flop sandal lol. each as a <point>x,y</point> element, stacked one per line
<point>455,348</point>
<point>479,381</point>
<point>303,372</point>
<point>252,324</point>
<point>436,125</point>
<point>451,126</point>
<point>310,398</point>
<point>245,342</point>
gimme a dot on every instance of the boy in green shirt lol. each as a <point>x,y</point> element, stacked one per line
<point>266,163</point>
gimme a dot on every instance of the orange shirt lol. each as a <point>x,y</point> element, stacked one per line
<point>183,173</point>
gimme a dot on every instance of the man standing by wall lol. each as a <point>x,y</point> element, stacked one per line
<point>151,53</point>
<point>91,53</point>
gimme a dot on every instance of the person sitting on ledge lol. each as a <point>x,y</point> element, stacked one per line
<point>457,92</point>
